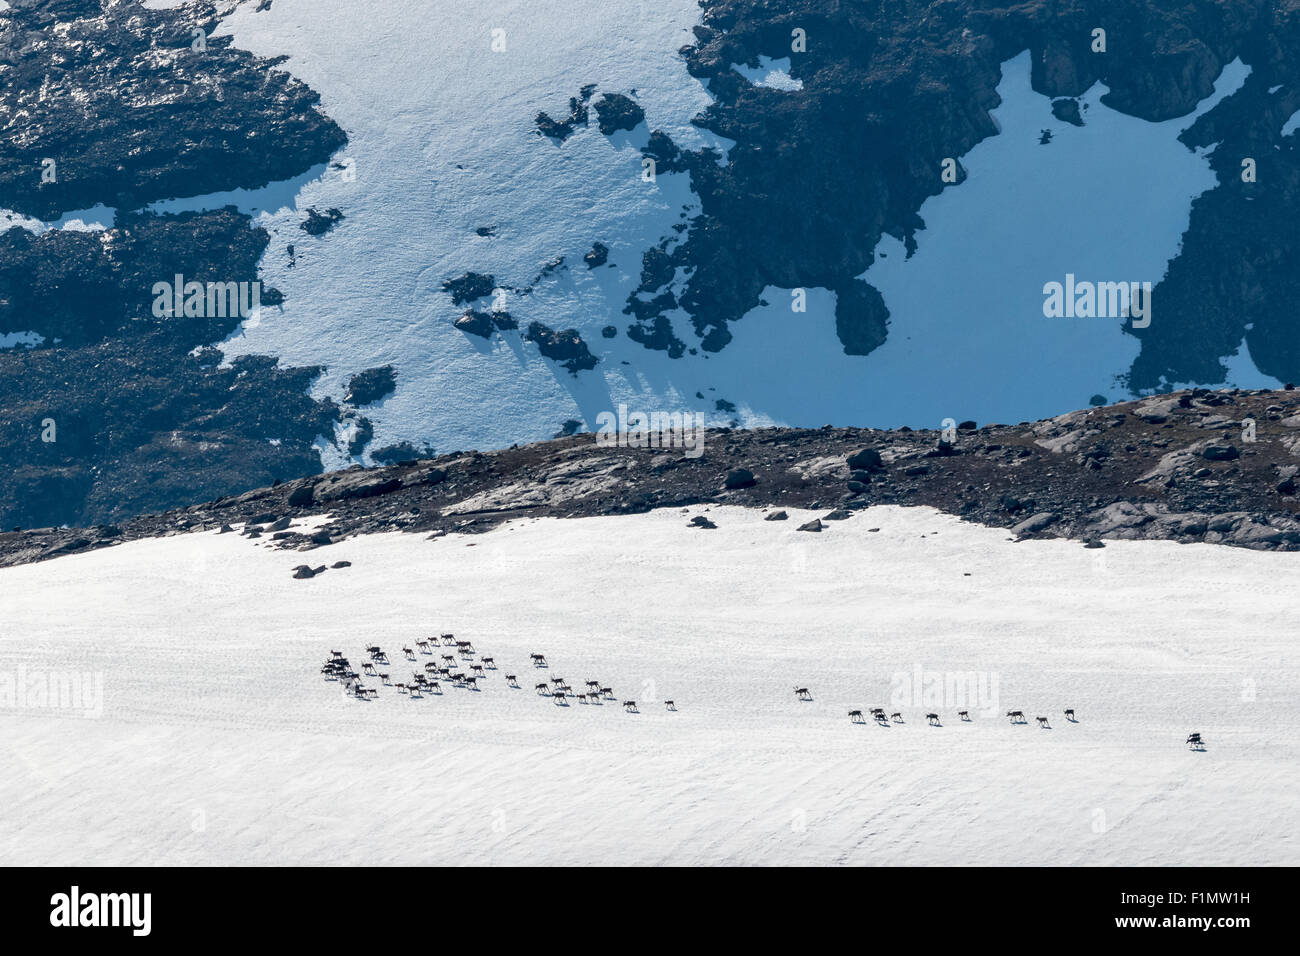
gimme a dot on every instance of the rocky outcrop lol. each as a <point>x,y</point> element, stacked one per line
<point>134,104</point>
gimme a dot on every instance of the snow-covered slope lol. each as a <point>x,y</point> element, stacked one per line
<point>218,741</point>
<point>439,112</point>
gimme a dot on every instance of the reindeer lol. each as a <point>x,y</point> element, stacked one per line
<point>337,655</point>
<point>1195,742</point>
<point>490,662</point>
<point>593,685</point>
<point>384,678</point>
<point>560,700</point>
<point>630,707</point>
<point>543,688</point>
<point>435,687</point>
<point>1042,722</point>
<point>415,691</point>
<point>1069,715</point>
<point>670,705</point>
<point>607,693</point>
<point>896,717</point>
<point>512,680</point>
<point>876,711</point>
<point>964,715</point>
<point>423,646</point>
<point>933,720</point>
<point>477,669</point>
<point>401,688</point>
<point>582,698</point>
<point>856,717</point>
<point>449,659</point>
<point>471,683</point>
<point>368,668</point>
<point>465,647</point>
<point>539,660</point>
<point>802,693</point>
<point>1017,716</point>
<point>448,640</point>
<point>373,650</point>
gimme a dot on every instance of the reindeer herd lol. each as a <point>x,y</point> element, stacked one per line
<point>462,668</point>
<point>877,714</point>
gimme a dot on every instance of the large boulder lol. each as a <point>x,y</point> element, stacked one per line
<point>739,478</point>
<point>868,459</point>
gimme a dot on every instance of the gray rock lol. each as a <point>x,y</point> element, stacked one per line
<point>814,525</point>
<point>1034,523</point>
<point>1220,453</point>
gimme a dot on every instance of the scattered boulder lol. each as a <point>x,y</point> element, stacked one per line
<point>700,521</point>
<point>303,497</point>
<point>341,564</point>
<point>281,525</point>
<point>1220,453</point>
<point>838,514</point>
<point>814,525</point>
<point>868,459</point>
<point>739,478</point>
<point>777,516</point>
<point>303,571</point>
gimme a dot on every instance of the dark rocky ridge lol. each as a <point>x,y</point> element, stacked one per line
<point>1153,468</point>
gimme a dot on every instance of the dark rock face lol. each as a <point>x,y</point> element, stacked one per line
<point>565,347</point>
<point>469,287</point>
<point>118,410</point>
<point>63,96</point>
<point>368,387</point>
<point>615,112</point>
<point>1067,111</point>
<point>598,255</point>
<point>140,418</point>
<point>562,129</point>
<point>922,77</point>
<point>317,223</point>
